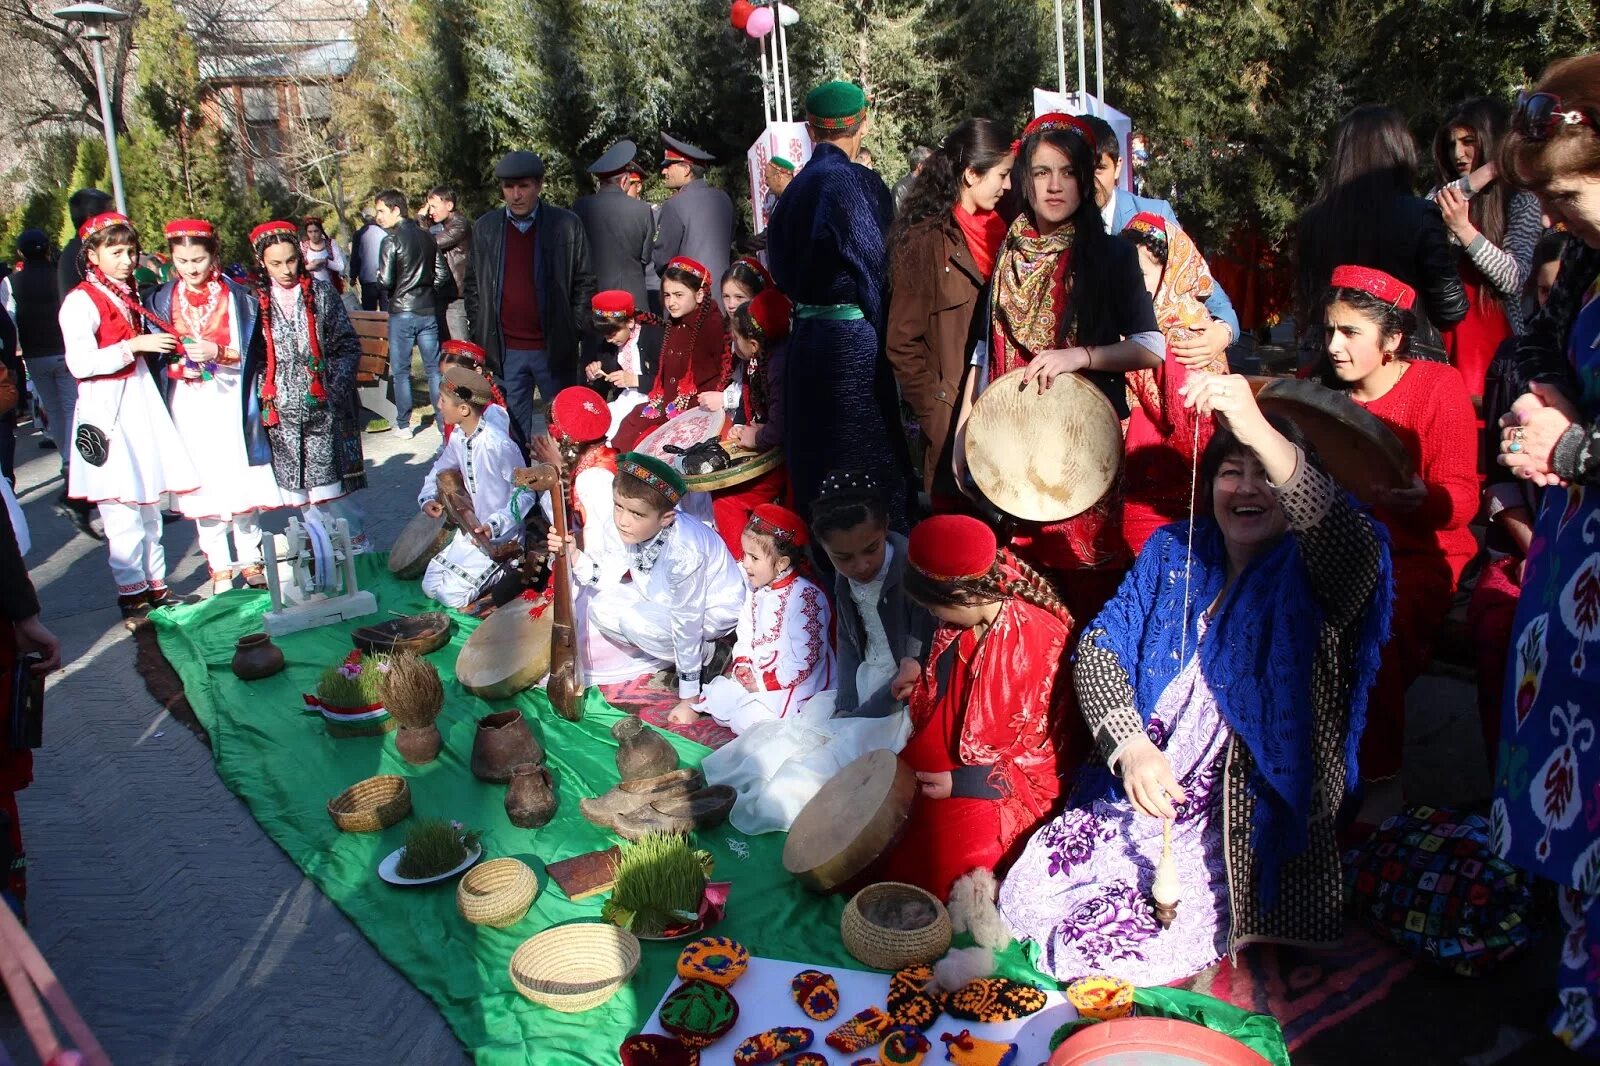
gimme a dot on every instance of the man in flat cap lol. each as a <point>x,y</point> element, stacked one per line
<point>619,224</point>
<point>826,247</point>
<point>697,221</point>
<point>528,289</point>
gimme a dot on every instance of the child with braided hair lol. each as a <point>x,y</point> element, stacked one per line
<point>987,713</point>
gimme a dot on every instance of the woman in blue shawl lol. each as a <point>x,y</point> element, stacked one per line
<point>1226,695</point>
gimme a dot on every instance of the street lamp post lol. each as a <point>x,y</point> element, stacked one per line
<point>95,18</point>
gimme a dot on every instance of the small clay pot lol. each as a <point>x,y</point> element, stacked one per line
<point>530,798</point>
<point>418,745</point>
<point>641,751</point>
<point>256,657</point>
<point>503,741</point>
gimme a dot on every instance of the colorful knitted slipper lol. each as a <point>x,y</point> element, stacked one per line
<point>771,1046</point>
<point>912,1000</point>
<point>699,1013</point>
<point>994,999</point>
<point>648,1049</point>
<point>903,1046</point>
<point>965,1049</point>
<point>860,1031</point>
<point>815,993</point>
<point>713,958</point>
<point>805,1058</point>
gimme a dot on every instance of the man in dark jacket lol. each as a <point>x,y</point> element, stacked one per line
<point>452,234</point>
<point>697,221</point>
<point>82,206</point>
<point>528,288</point>
<point>619,225</point>
<point>408,269</point>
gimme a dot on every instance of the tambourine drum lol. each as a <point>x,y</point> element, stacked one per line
<point>855,818</point>
<point>1043,457</point>
<point>697,427</point>
<point>507,653</point>
<point>415,633</point>
<point>422,538</point>
<point>1353,444</point>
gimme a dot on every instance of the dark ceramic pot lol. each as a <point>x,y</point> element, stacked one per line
<point>530,798</point>
<point>641,751</point>
<point>503,741</point>
<point>255,657</point>
<point>418,745</point>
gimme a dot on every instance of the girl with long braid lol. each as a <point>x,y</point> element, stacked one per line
<point>691,353</point>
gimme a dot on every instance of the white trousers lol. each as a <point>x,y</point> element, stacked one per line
<point>133,536</point>
<point>212,533</point>
<point>625,616</point>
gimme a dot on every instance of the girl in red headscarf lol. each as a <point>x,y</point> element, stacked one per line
<point>987,714</point>
<point>691,353</point>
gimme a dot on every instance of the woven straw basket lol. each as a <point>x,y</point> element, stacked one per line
<point>370,805</point>
<point>497,893</point>
<point>884,948</point>
<point>577,967</point>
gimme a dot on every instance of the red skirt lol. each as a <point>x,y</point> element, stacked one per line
<point>731,507</point>
<point>1472,342</point>
<point>943,841</point>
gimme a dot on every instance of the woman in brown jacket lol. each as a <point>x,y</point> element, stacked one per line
<point>943,248</point>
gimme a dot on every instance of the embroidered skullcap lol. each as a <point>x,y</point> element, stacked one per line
<point>613,303</point>
<point>718,959</point>
<point>1149,229</point>
<point>782,163</point>
<point>676,151</point>
<point>1147,220</point>
<point>848,481</point>
<point>515,165</point>
<point>579,414</point>
<point>467,349</point>
<point>655,473</point>
<point>179,228</point>
<point>468,385</point>
<point>691,266</point>
<point>311,220</point>
<point>273,229</point>
<point>770,310</point>
<point>104,220</point>
<point>699,1013</point>
<point>952,547</point>
<point>1057,121</point>
<point>649,1049</point>
<point>759,267</point>
<point>771,520</point>
<point>1385,287</point>
<point>836,105</point>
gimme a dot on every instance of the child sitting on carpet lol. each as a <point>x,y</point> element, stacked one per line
<point>781,657</point>
<point>691,353</point>
<point>624,369</point>
<point>681,591</point>
<point>485,458</point>
<point>755,408</point>
<point>987,710</point>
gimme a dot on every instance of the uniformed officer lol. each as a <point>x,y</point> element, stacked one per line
<point>619,224</point>
<point>697,221</point>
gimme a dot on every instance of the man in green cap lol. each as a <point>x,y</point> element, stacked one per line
<point>826,248</point>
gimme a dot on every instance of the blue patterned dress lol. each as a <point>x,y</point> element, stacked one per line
<point>1546,813</point>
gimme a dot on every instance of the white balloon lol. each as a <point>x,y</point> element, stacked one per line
<point>787,15</point>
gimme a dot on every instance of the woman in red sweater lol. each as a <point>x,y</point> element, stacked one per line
<point>1369,322</point>
<point>691,353</point>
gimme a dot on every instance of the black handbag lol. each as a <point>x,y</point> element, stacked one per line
<point>92,443</point>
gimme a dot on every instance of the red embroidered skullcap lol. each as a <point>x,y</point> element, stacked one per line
<point>770,520</point>
<point>270,229</point>
<point>759,267</point>
<point>1057,120</point>
<point>1149,219</point>
<point>309,219</point>
<point>614,303</point>
<point>1375,283</point>
<point>694,267</point>
<point>467,348</point>
<point>951,547</point>
<point>102,221</point>
<point>579,414</point>
<point>179,228</point>
<point>770,310</point>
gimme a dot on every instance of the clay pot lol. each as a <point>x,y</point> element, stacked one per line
<point>503,741</point>
<point>255,657</point>
<point>418,745</point>
<point>641,751</point>
<point>530,798</point>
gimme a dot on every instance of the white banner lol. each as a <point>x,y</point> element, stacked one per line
<point>787,140</point>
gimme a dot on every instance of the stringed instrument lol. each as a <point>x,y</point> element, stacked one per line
<point>564,688</point>
<point>451,492</point>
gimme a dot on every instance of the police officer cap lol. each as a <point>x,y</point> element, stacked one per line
<point>618,157</point>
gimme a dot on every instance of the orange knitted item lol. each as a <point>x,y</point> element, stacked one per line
<point>964,1049</point>
<point>862,1030</point>
<point>771,1046</point>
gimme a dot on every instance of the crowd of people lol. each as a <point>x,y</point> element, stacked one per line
<point>1214,657</point>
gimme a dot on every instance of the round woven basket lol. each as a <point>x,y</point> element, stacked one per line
<point>370,805</point>
<point>574,968</point>
<point>885,948</point>
<point>497,893</point>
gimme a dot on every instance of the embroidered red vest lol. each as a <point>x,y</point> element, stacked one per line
<point>113,329</point>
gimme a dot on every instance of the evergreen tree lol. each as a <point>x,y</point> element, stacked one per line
<point>89,171</point>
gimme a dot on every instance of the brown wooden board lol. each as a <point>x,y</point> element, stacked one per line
<point>586,875</point>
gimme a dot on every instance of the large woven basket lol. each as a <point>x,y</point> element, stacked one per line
<point>574,968</point>
<point>885,948</point>
<point>497,893</point>
<point>370,805</point>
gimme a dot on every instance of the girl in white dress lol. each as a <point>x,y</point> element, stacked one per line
<point>323,260</point>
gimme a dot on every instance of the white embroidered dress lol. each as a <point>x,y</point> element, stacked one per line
<point>781,658</point>
<point>486,458</point>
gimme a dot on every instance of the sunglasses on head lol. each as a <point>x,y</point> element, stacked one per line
<point>1539,115</point>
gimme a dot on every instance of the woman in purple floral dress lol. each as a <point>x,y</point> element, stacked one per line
<point>1225,694</point>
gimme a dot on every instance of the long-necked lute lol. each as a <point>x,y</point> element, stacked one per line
<point>565,689</point>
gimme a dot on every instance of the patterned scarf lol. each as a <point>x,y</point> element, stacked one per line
<point>1180,304</point>
<point>122,293</point>
<point>317,394</point>
<point>1031,281</point>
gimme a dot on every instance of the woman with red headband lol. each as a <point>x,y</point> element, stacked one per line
<point>215,409</point>
<point>1369,325</point>
<point>691,352</point>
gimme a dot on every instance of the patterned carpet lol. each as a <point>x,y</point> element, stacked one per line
<point>650,698</point>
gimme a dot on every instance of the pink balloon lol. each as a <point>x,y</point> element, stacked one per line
<point>760,23</point>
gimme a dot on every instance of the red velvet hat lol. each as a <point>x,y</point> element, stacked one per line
<point>579,415</point>
<point>614,303</point>
<point>770,520</point>
<point>1375,283</point>
<point>466,348</point>
<point>1057,120</point>
<point>102,221</point>
<point>179,228</point>
<point>759,267</point>
<point>952,547</point>
<point>694,267</point>
<point>1148,220</point>
<point>770,310</point>
<point>269,229</point>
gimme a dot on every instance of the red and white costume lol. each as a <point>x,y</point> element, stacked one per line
<point>782,655</point>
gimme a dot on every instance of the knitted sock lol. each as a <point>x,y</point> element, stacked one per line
<point>816,993</point>
<point>861,1031</point>
<point>994,999</point>
<point>805,1058</point>
<point>648,1049</point>
<point>912,999</point>
<point>903,1047</point>
<point>968,1050</point>
<point>770,1046</point>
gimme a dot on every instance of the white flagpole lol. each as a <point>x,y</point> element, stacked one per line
<point>1083,71</point>
<point>766,100</point>
<point>788,87</point>
<point>1099,59</point>
<point>1061,51</point>
<point>779,89</point>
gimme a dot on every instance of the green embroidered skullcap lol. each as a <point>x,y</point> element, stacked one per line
<point>836,105</point>
<point>782,163</point>
<point>655,473</point>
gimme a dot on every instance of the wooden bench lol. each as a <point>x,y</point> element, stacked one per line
<point>373,380</point>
